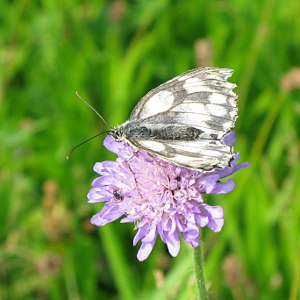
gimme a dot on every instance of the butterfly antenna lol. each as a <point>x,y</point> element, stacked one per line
<point>90,106</point>
<point>70,152</point>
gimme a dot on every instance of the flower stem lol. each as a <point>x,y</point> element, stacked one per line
<point>198,261</point>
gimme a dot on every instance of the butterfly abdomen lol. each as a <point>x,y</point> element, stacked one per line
<point>175,132</point>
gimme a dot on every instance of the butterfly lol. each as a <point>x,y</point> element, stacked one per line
<point>184,121</point>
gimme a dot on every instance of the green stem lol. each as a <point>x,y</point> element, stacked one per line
<point>198,261</point>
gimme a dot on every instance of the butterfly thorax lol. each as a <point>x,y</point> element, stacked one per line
<point>129,130</point>
<point>135,130</point>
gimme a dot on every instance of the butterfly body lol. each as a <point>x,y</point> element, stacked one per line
<point>184,121</point>
<point>134,130</point>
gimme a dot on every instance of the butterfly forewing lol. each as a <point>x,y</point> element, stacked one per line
<point>203,83</point>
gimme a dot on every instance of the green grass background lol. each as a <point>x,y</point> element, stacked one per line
<point>113,52</point>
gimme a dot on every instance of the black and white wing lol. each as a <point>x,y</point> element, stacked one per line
<point>200,100</point>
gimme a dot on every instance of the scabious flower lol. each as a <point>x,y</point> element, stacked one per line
<point>160,198</point>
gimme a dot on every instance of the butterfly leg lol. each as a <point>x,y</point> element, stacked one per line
<point>162,169</point>
<point>131,170</point>
<point>156,161</point>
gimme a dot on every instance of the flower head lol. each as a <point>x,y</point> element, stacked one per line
<point>160,198</point>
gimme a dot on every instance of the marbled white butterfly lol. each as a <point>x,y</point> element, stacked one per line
<point>185,120</point>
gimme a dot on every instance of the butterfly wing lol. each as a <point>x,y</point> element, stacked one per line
<point>200,98</point>
<point>202,155</point>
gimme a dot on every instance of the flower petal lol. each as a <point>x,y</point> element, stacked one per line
<point>108,214</point>
<point>223,187</point>
<point>173,243</point>
<point>145,250</point>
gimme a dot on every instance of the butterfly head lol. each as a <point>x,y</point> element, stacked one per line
<point>117,133</point>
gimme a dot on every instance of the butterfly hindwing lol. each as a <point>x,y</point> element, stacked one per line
<point>204,155</point>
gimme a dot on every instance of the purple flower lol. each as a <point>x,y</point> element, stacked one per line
<point>160,198</point>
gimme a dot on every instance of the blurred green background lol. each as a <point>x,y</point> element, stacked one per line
<point>113,52</point>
